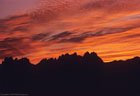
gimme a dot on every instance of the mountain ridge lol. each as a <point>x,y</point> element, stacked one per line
<point>70,72</point>
<point>67,54</point>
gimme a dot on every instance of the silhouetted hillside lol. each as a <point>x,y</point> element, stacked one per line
<point>69,72</point>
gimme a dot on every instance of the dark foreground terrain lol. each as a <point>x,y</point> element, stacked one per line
<point>71,75</point>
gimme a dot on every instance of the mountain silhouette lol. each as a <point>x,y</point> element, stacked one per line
<point>70,71</point>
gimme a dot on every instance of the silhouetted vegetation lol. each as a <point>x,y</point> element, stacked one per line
<point>69,72</point>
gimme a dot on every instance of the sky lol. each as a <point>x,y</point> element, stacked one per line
<point>40,29</point>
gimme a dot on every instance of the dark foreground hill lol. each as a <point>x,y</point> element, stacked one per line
<point>69,72</point>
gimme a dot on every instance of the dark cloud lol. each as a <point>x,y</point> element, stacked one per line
<point>21,28</point>
<point>104,31</point>
<point>13,17</point>
<point>8,47</point>
<point>13,47</point>
<point>3,27</point>
<point>107,31</point>
<point>40,16</point>
<point>12,39</point>
<point>100,4</point>
<point>76,38</point>
<point>132,36</point>
<point>8,42</point>
<point>60,35</point>
<point>25,23</point>
<point>40,36</point>
<point>92,5</point>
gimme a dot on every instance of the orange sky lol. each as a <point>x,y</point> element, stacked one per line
<point>109,27</point>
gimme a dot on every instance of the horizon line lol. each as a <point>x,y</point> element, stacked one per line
<point>68,54</point>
